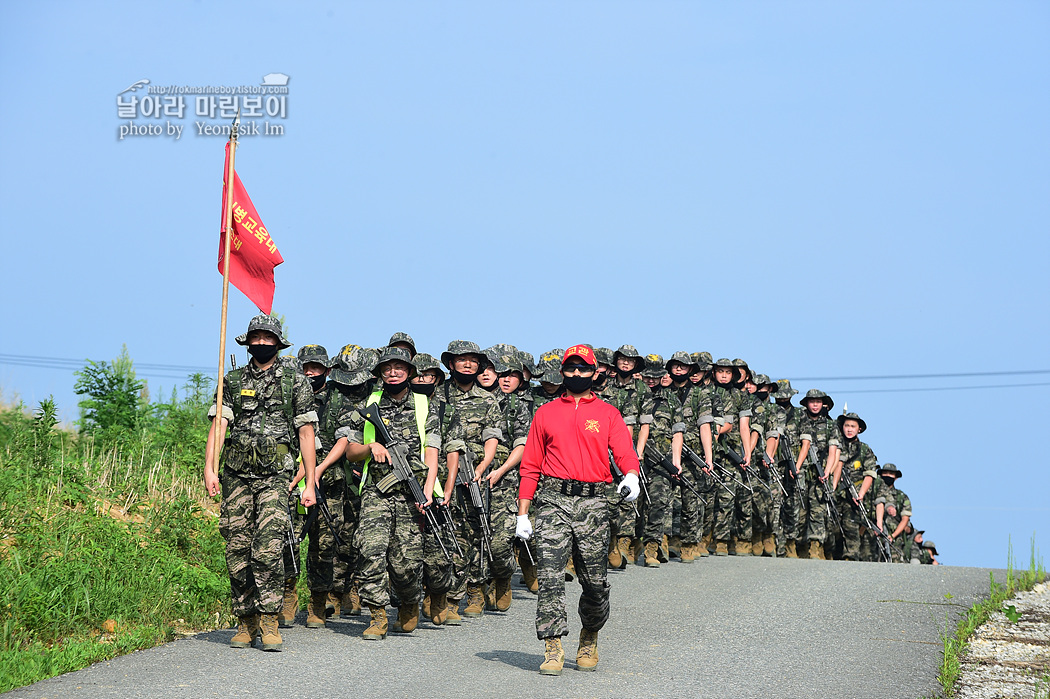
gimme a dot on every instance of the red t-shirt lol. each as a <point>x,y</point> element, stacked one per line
<point>572,440</point>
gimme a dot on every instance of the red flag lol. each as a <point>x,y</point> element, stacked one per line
<point>253,254</point>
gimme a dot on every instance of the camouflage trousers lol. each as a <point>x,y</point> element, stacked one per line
<point>503,520</point>
<point>322,556</point>
<point>744,506</point>
<point>474,567</point>
<point>725,507</point>
<point>438,573</point>
<point>846,542</point>
<point>794,509</point>
<point>657,520</point>
<point>692,506</point>
<point>253,520</point>
<point>346,555</point>
<point>765,506</point>
<point>573,527</point>
<point>389,540</point>
<point>288,552</point>
<point>816,511</point>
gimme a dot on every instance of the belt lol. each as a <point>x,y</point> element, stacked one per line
<point>578,488</point>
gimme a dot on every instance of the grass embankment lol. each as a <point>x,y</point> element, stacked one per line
<point>106,546</point>
<point>955,643</point>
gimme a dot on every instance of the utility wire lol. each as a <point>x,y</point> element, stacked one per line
<point>940,388</point>
<point>921,376</point>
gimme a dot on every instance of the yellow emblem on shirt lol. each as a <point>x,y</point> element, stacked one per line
<point>592,426</point>
<point>248,392</point>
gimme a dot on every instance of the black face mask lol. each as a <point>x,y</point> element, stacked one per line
<point>263,353</point>
<point>494,387</point>
<point>888,480</point>
<point>426,389</point>
<point>623,374</point>
<point>392,389</point>
<point>599,380</point>
<point>577,383</point>
<point>463,379</point>
<point>317,381</point>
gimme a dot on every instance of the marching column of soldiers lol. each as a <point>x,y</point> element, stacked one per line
<point>416,480</point>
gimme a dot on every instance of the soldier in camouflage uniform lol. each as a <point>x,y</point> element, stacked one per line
<point>390,535</point>
<point>627,394</point>
<point>681,367</point>
<point>350,383</point>
<point>655,439</point>
<point>565,469</point>
<point>464,418</point>
<point>267,417</point>
<point>782,447</point>
<point>429,374</point>
<point>892,507</point>
<point>503,475</point>
<point>322,556</point>
<point>766,499</point>
<point>404,341</point>
<point>857,464</point>
<point>818,434</point>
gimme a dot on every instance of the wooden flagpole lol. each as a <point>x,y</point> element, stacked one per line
<point>216,424</point>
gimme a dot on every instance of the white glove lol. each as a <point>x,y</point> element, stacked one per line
<point>630,485</point>
<point>523,529</point>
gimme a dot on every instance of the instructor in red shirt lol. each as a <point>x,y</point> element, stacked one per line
<point>565,469</point>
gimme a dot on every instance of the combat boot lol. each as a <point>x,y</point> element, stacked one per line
<point>407,618</point>
<point>615,559</point>
<point>503,594</point>
<point>687,553</point>
<point>452,617</point>
<point>705,545</point>
<point>376,631</point>
<point>769,547</point>
<point>290,604</point>
<point>315,612</point>
<point>661,551</point>
<point>756,545</point>
<point>475,602</point>
<point>528,575</point>
<point>722,548</point>
<point>352,602</point>
<point>637,552</point>
<point>624,546</point>
<point>742,546</point>
<point>790,548</point>
<point>651,560</point>
<point>247,630</point>
<point>333,605</point>
<point>490,597</point>
<point>553,657</point>
<point>271,635</point>
<point>674,547</point>
<point>587,654</point>
<point>426,603</point>
<point>439,607</point>
<point>816,550</point>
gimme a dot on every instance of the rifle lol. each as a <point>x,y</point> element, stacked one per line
<point>320,506</point>
<point>737,461</point>
<point>701,464</point>
<point>402,473</point>
<point>829,496</point>
<point>291,541</point>
<point>784,444</point>
<point>884,543</point>
<point>675,477</point>
<point>771,467</point>
<point>465,478</point>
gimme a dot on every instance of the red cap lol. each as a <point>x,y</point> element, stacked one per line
<point>584,352</point>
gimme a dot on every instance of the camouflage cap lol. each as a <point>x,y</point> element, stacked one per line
<point>270,324</point>
<point>682,358</point>
<point>394,354</point>
<point>512,363</point>
<point>628,351</point>
<point>743,370</point>
<point>928,544</point>
<point>817,393</point>
<point>724,363</point>
<point>704,360</point>
<point>604,355</point>
<point>851,416</point>
<point>889,468</point>
<point>504,350</point>
<point>654,367</point>
<point>315,354</point>
<point>784,390</point>
<point>403,338</point>
<point>762,381</point>
<point>425,362</point>
<point>528,362</point>
<point>353,365</point>
<point>552,375</point>
<point>458,347</point>
<point>550,359</point>
<point>493,358</point>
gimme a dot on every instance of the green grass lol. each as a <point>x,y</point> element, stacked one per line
<point>106,545</point>
<point>955,643</point>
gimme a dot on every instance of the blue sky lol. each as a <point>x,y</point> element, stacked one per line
<point>824,189</point>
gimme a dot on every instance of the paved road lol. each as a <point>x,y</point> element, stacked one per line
<point>722,627</point>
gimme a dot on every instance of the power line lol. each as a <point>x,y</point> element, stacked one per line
<point>923,376</point>
<point>941,388</point>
